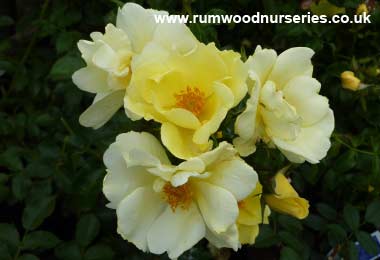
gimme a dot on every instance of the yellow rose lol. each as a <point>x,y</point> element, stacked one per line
<point>285,109</point>
<point>109,56</point>
<point>349,81</point>
<point>168,208</point>
<point>246,228</point>
<point>362,8</point>
<point>286,199</point>
<point>251,215</point>
<point>189,89</point>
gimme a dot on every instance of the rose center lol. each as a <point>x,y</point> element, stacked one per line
<point>180,196</point>
<point>191,99</point>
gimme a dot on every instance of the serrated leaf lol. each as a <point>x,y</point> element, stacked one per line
<point>40,240</point>
<point>36,211</point>
<point>351,216</point>
<point>87,229</point>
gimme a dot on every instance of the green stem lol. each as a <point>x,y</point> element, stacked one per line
<point>28,48</point>
<point>67,126</point>
<point>353,148</point>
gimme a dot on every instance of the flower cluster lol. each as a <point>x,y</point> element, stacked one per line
<point>161,72</point>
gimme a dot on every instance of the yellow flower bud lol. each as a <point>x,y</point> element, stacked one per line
<point>349,81</point>
<point>370,188</point>
<point>286,200</point>
<point>362,8</point>
<point>219,134</point>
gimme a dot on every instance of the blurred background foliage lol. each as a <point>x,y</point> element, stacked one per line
<point>51,170</point>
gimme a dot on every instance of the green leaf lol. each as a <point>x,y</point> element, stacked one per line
<point>36,211</point>
<point>40,240</point>
<point>4,252</point>
<point>11,159</point>
<point>351,217</point>
<point>99,252</point>
<point>66,41</point>
<point>5,21</point>
<point>366,241</point>
<point>68,251</point>
<point>64,67</point>
<point>28,257</point>
<point>290,223</point>
<point>372,214</point>
<point>20,186</point>
<point>288,253</point>
<point>335,234</point>
<point>315,222</point>
<point>352,251</point>
<point>291,240</point>
<point>39,169</point>
<point>9,236</point>
<point>266,237</point>
<point>326,211</point>
<point>87,229</point>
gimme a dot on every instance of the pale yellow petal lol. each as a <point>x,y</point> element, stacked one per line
<point>101,111</point>
<point>217,205</point>
<point>135,215</point>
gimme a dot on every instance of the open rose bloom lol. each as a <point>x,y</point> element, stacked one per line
<point>166,208</point>
<point>285,109</point>
<point>161,72</point>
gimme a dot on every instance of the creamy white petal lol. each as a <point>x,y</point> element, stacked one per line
<point>91,79</point>
<point>105,57</point>
<point>224,151</point>
<point>175,36</point>
<point>218,206</point>
<point>312,143</point>
<point>136,214</point>
<point>302,93</point>
<point>234,175</point>
<point>176,231</point>
<point>229,239</point>
<point>291,63</point>
<point>101,111</point>
<point>262,62</point>
<point>142,149</point>
<point>138,23</point>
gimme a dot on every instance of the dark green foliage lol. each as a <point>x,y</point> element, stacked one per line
<point>51,168</point>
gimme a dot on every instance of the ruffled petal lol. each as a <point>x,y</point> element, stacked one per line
<point>136,214</point>
<point>218,206</point>
<point>291,63</point>
<point>234,175</point>
<point>311,144</point>
<point>176,231</point>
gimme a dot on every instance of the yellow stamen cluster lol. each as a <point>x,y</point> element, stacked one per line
<point>180,196</point>
<point>191,99</point>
